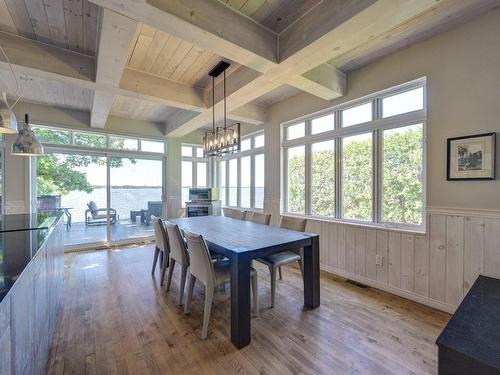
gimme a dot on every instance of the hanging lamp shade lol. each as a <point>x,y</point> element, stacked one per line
<point>8,121</point>
<point>26,143</point>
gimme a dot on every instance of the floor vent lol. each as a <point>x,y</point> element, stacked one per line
<point>355,283</point>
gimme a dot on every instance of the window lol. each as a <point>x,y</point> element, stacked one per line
<point>120,143</point>
<point>152,146</point>
<point>259,181</point>
<point>362,167</point>
<point>296,175</point>
<point>90,139</point>
<point>357,173</point>
<point>233,182</point>
<point>357,115</point>
<point>241,175</point>
<point>296,131</point>
<point>402,177</point>
<point>194,172</point>
<point>323,178</point>
<point>323,124</point>
<point>222,182</point>
<point>52,136</point>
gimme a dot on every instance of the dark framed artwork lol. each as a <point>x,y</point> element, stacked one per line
<point>471,157</point>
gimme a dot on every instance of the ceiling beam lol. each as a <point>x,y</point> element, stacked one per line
<point>324,81</point>
<point>211,25</point>
<point>217,28</point>
<point>115,40</point>
<point>249,113</point>
<point>356,22</point>
<point>47,58</point>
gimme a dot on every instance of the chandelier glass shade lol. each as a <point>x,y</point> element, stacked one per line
<point>225,139</point>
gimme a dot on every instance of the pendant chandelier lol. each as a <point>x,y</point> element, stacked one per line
<point>226,139</point>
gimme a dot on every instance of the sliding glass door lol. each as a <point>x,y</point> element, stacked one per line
<point>105,197</point>
<point>136,189</point>
<point>76,184</point>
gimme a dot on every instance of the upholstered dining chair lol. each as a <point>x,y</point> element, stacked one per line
<point>161,249</point>
<point>178,255</point>
<point>257,217</point>
<point>210,274</point>
<point>275,261</point>
<point>233,213</point>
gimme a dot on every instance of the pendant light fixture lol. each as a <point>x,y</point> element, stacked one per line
<point>26,143</point>
<point>226,139</point>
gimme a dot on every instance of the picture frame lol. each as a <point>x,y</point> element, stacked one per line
<point>471,157</point>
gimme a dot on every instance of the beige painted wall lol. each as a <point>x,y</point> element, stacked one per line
<point>462,67</point>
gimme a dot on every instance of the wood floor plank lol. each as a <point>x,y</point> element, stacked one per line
<point>117,319</point>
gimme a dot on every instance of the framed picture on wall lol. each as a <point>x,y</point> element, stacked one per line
<point>471,157</point>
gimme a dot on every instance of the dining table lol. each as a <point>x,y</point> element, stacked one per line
<point>243,241</point>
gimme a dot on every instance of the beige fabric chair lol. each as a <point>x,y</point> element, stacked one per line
<point>161,249</point>
<point>178,254</point>
<point>211,274</point>
<point>233,213</point>
<point>257,217</point>
<point>275,261</point>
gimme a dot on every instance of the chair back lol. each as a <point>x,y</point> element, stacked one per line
<point>233,213</point>
<point>92,207</point>
<point>201,265</point>
<point>160,234</point>
<point>293,223</point>
<point>177,246</point>
<point>257,217</point>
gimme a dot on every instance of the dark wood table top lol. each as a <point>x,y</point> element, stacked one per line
<point>241,236</point>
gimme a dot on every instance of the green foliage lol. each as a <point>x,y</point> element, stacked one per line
<point>403,176</point>
<point>357,179</point>
<point>402,179</point>
<point>59,173</point>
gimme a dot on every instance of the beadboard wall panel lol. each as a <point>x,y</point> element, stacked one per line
<point>437,268</point>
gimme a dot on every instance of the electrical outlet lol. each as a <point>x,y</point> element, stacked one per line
<point>379,260</point>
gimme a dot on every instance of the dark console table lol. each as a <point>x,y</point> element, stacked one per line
<point>470,342</point>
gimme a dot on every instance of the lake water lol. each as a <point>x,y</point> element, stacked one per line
<point>123,200</point>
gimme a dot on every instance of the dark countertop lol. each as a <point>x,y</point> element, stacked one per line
<point>17,222</point>
<point>474,329</point>
<point>20,244</point>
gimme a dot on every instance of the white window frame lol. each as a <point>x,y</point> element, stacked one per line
<point>376,127</point>
<point>252,152</point>
<point>194,166</point>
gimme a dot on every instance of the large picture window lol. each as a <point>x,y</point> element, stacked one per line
<point>240,176</point>
<point>194,171</point>
<point>362,161</point>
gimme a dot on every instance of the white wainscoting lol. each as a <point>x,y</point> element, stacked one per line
<point>436,269</point>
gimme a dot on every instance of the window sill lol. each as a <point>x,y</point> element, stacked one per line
<point>418,230</point>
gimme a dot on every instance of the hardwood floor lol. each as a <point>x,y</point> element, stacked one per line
<point>117,319</point>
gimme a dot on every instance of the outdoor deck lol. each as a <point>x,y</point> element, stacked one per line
<point>81,234</point>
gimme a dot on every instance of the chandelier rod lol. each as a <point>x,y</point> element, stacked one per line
<point>225,112</point>
<point>213,104</point>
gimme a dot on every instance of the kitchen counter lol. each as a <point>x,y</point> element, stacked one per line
<point>31,282</point>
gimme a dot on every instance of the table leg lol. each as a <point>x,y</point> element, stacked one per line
<point>311,274</point>
<point>240,301</point>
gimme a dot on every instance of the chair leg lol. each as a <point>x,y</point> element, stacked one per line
<point>170,272</point>
<point>301,268</point>
<point>272,271</point>
<point>183,284</point>
<point>164,265</point>
<point>255,291</point>
<point>187,306</point>
<point>209,296</point>
<point>155,260</point>
<point>279,270</point>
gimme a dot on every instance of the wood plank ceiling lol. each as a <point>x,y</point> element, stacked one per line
<point>70,24</point>
<point>167,56</point>
<point>276,15</point>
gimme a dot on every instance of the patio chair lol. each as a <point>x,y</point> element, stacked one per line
<point>97,216</point>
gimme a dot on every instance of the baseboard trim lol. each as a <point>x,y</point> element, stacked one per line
<point>390,289</point>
